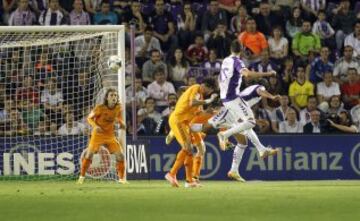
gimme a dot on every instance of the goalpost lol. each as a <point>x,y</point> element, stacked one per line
<point>50,79</point>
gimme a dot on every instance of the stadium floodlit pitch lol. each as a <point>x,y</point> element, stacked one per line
<point>156,200</point>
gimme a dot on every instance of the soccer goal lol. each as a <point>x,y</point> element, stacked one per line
<point>50,79</point>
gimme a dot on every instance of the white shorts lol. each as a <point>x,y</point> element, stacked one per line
<point>233,112</point>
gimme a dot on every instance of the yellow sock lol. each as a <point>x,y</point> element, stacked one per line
<point>189,167</point>
<point>197,166</point>
<point>120,167</point>
<point>84,166</point>
<point>179,162</point>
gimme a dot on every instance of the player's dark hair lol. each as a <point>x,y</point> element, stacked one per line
<point>210,83</point>
<point>108,91</point>
<point>235,47</point>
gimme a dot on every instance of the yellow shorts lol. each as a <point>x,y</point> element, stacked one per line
<point>181,130</point>
<point>110,143</point>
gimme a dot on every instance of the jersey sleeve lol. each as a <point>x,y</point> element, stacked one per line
<point>239,65</point>
<point>93,115</point>
<point>194,93</point>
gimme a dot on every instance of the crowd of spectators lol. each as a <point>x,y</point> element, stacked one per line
<point>314,46</point>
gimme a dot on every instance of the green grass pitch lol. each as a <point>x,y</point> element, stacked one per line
<point>156,200</point>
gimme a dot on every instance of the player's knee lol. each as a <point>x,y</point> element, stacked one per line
<point>119,156</point>
<point>89,155</point>
<point>188,161</point>
<point>241,139</point>
<point>201,149</point>
<point>187,147</point>
<point>252,122</point>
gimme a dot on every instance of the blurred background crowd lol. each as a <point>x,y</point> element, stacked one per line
<point>313,45</point>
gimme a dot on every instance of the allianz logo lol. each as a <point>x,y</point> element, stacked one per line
<point>287,160</point>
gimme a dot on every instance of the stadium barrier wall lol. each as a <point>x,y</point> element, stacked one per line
<point>302,157</point>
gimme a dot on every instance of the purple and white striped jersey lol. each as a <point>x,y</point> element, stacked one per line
<point>251,95</point>
<point>230,78</point>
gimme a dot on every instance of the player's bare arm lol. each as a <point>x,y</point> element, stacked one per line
<point>254,74</point>
<point>198,102</point>
<point>266,94</point>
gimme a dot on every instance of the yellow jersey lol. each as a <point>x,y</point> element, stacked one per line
<point>183,109</point>
<point>301,92</point>
<point>105,118</point>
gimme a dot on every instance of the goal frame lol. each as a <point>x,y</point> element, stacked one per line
<point>120,29</point>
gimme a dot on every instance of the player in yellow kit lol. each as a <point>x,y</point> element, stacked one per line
<point>103,119</point>
<point>187,107</point>
<point>197,140</point>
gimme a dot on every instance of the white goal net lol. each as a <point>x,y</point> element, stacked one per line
<point>50,79</point>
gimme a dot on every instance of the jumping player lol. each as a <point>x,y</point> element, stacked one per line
<point>238,111</point>
<point>187,107</point>
<point>103,119</point>
<point>252,95</point>
<point>204,122</point>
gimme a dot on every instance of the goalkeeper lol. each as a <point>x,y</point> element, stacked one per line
<point>103,119</point>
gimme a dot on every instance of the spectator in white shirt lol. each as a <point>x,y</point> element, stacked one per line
<point>335,106</point>
<point>78,16</point>
<point>353,39</point>
<point>160,89</point>
<point>343,64</point>
<point>22,15</point>
<point>52,16</point>
<point>149,110</point>
<point>278,45</point>
<point>291,125</point>
<point>140,94</point>
<point>178,68</point>
<point>279,113</point>
<point>52,100</point>
<point>327,89</point>
<point>305,113</point>
<point>71,127</point>
<point>144,44</point>
<point>324,30</point>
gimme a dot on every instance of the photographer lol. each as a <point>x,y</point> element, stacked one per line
<point>344,124</point>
